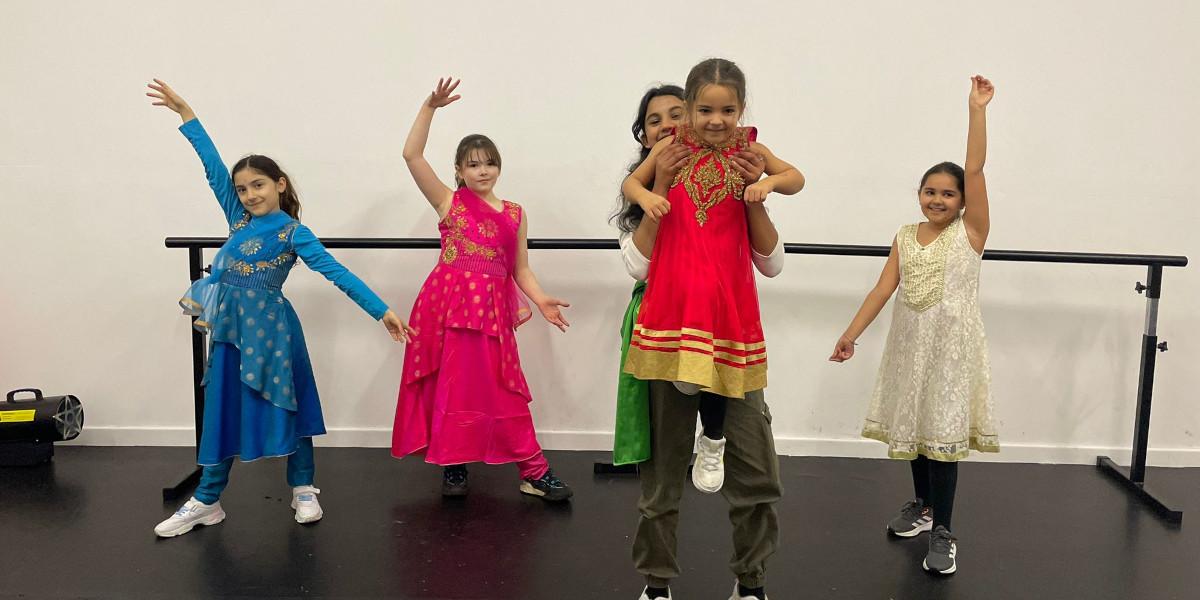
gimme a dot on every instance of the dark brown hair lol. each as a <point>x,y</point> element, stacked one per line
<point>629,214</point>
<point>950,169</point>
<point>289,200</point>
<point>473,142</point>
<point>715,71</point>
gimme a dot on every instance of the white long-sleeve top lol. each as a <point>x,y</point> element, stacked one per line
<point>638,266</point>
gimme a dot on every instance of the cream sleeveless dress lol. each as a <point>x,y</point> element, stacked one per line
<point>932,396</point>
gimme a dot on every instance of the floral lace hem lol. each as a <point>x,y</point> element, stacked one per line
<point>936,450</point>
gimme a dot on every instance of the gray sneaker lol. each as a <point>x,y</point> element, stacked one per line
<point>942,552</point>
<point>914,518</point>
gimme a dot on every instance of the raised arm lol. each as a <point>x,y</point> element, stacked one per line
<point>436,192</point>
<point>313,253</point>
<point>976,215</point>
<point>876,299</point>
<point>214,169</point>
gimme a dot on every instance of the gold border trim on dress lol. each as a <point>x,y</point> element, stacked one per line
<point>701,369</point>
<point>700,347</point>
<point>979,442</point>
<point>674,335</point>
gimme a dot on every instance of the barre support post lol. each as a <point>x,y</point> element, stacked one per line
<point>1134,478</point>
<point>189,481</point>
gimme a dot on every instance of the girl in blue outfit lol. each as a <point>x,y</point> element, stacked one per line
<point>260,398</point>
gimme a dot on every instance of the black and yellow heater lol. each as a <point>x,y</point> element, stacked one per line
<point>30,425</point>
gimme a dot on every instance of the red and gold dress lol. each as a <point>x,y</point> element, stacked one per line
<point>699,322</point>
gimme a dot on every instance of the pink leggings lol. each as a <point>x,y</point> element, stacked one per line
<point>534,468</point>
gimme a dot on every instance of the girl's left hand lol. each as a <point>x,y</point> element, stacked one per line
<point>552,313</point>
<point>981,91</point>
<point>757,192</point>
<point>749,164</point>
<point>400,330</point>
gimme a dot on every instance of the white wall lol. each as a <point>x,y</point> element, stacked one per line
<point>1093,148</point>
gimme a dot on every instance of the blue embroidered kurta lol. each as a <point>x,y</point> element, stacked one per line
<point>260,395</point>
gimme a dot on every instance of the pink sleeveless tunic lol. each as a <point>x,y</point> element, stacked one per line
<point>463,397</point>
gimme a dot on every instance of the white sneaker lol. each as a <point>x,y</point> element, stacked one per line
<point>192,513</point>
<point>304,500</point>
<point>736,596</point>
<point>645,597</point>
<point>708,474</point>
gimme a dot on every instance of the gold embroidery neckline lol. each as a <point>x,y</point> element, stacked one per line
<point>740,135</point>
<point>705,185</point>
<point>934,241</point>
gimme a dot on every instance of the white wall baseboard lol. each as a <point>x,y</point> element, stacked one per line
<point>602,441</point>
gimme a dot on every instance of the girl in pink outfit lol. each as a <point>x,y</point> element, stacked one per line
<point>463,397</point>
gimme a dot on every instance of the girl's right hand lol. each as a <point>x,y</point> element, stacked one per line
<point>168,98</point>
<point>843,350</point>
<point>441,94</point>
<point>669,161</point>
<point>656,207</point>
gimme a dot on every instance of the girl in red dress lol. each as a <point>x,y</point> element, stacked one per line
<point>699,323</point>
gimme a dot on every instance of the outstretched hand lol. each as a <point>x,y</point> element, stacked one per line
<point>552,313</point>
<point>441,94</point>
<point>165,96</point>
<point>399,330</point>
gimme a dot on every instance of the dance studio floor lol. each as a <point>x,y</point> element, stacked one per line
<point>82,528</point>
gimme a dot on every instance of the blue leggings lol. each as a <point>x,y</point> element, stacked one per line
<point>300,470</point>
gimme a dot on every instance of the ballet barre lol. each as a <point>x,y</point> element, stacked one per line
<point>1133,478</point>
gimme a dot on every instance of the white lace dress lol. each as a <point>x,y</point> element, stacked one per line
<point>932,396</point>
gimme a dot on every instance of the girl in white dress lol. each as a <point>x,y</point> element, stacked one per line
<point>932,403</point>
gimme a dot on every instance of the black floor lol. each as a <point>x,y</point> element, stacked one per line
<point>82,528</point>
